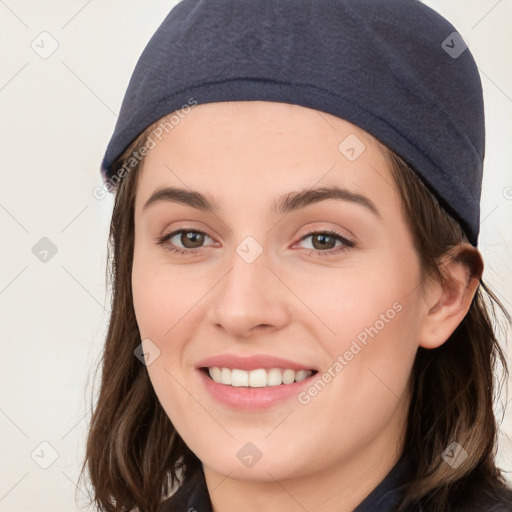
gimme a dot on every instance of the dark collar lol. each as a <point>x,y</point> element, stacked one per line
<point>194,494</point>
<point>386,495</point>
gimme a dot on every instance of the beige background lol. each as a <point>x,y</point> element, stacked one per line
<point>56,116</point>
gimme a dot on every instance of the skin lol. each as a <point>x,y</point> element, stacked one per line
<point>330,453</point>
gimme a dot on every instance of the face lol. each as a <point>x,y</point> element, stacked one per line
<point>295,263</point>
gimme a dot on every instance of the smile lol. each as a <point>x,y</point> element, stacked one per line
<point>258,378</point>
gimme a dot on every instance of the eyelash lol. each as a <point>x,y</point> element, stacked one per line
<point>347,244</point>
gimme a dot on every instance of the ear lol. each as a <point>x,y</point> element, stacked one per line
<point>449,300</point>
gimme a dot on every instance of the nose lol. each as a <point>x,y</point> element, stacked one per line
<point>250,299</point>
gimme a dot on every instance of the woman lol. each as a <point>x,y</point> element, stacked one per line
<point>298,317</point>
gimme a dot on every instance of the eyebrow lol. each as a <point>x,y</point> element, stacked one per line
<point>286,203</point>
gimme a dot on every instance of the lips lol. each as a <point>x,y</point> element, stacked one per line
<point>255,382</point>
<point>255,362</point>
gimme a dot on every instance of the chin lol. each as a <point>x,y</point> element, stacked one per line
<point>276,465</point>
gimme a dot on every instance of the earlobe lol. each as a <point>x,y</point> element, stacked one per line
<point>449,300</point>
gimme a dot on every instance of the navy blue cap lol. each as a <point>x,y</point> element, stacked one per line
<point>395,68</point>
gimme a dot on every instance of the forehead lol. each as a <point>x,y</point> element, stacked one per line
<point>262,148</point>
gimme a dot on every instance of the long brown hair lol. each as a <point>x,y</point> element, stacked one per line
<point>135,457</point>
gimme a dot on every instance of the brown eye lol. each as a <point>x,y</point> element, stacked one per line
<point>183,241</point>
<point>323,241</point>
<point>191,239</point>
<point>327,242</point>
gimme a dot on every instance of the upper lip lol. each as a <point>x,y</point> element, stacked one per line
<point>253,362</point>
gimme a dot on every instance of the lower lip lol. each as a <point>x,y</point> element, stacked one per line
<point>246,398</point>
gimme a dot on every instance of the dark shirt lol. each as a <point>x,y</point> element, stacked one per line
<point>193,495</point>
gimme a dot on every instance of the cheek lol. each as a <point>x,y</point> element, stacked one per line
<point>163,307</point>
<point>368,328</point>
<point>168,306</point>
<point>145,290</point>
<point>363,302</point>
<point>153,301</point>
<point>162,294</point>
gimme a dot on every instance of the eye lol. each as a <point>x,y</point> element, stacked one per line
<point>191,241</point>
<point>324,242</point>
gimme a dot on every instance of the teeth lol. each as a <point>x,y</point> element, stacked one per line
<point>238,378</point>
<point>288,376</point>
<point>257,378</point>
<point>216,374</point>
<point>274,377</point>
<point>225,375</point>
<point>302,374</point>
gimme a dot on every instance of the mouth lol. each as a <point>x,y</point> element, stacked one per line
<point>253,382</point>
<point>257,378</point>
